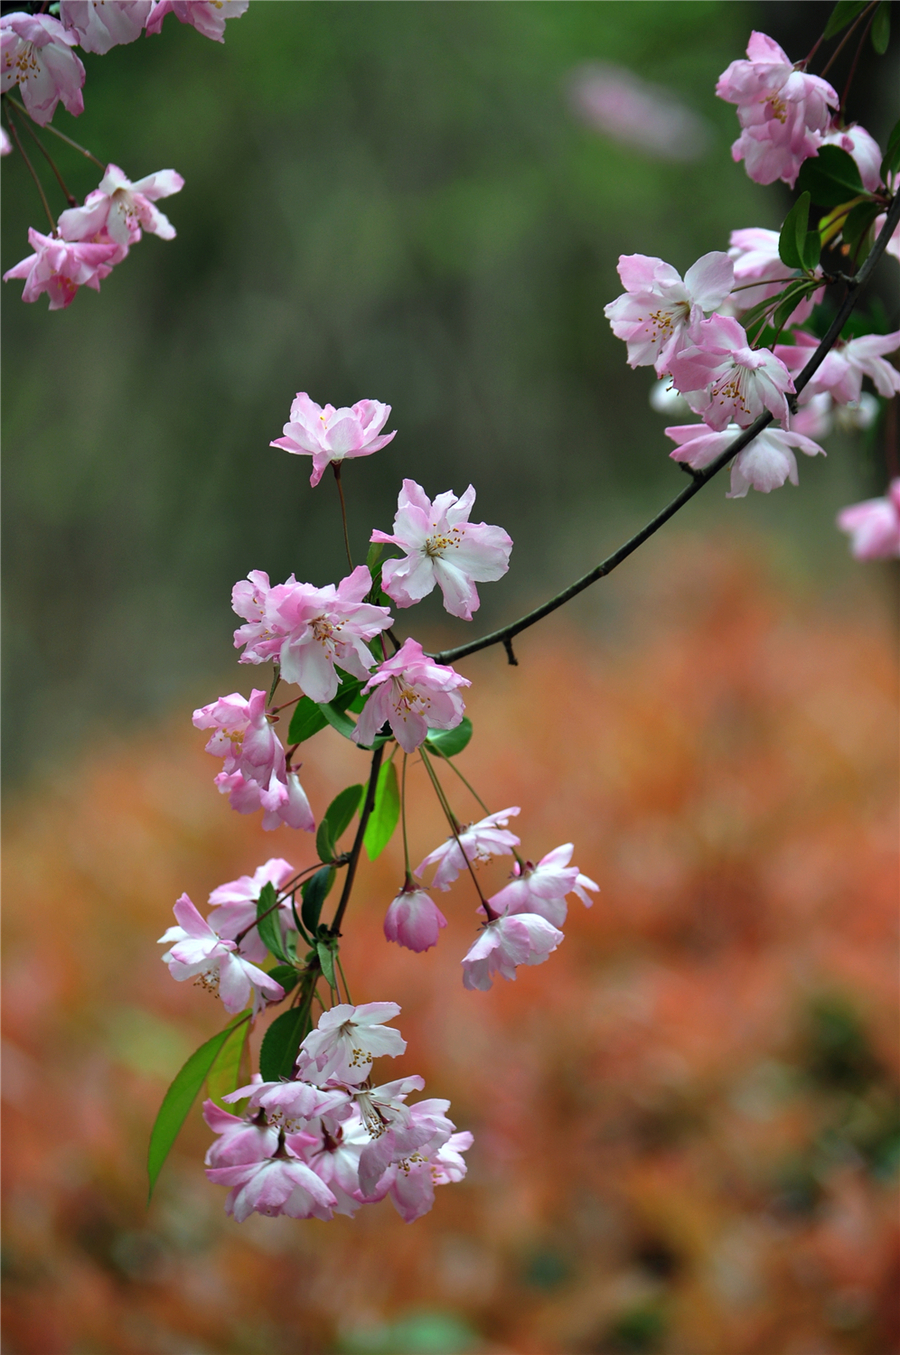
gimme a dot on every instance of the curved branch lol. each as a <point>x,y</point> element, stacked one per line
<point>699,478</point>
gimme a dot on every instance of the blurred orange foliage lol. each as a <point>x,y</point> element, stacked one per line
<point>685,1121</point>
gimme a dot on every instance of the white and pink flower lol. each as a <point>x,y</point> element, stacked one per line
<point>414,920</point>
<point>765,464</point>
<point>542,889</point>
<point>283,1184</point>
<point>99,25</point>
<point>207,16</point>
<point>332,435</point>
<point>725,381</point>
<point>506,942</point>
<point>36,54</point>
<point>874,526</point>
<point>347,1040</point>
<point>478,843</point>
<point>412,694</point>
<point>234,907</point>
<point>215,963</point>
<point>120,209</point>
<point>658,310</point>
<point>59,268</point>
<point>759,273</point>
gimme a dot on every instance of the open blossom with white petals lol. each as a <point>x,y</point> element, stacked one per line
<point>842,371</point>
<point>207,16</point>
<point>291,1105</point>
<point>332,435</point>
<point>36,55</point>
<point>199,953</point>
<point>60,268</point>
<point>477,843</point>
<point>334,1156</point>
<point>123,209</point>
<point>412,694</point>
<point>763,465</point>
<point>759,273</point>
<point>656,314</point>
<point>542,889</point>
<point>234,907</point>
<point>442,547</point>
<point>240,1139</point>
<point>410,1183</point>
<point>99,25</point>
<point>506,942</point>
<point>346,1041</point>
<point>414,920</point>
<point>874,526</point>
<point>415,1134</point>
<point>725,381</point>
<point>282,1184</point>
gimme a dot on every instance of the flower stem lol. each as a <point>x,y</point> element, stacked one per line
<point>403,820</point>
<point>846,38</point>
<point>353,859</point>
<point>489,912</point>
<point>48,127</point>
<point>31,170</point>
<point>336,467</point>
<point>471,789</point>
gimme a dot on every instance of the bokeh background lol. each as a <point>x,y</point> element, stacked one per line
<point>686,1121</point>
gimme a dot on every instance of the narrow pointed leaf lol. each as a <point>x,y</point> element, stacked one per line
<point>340,812</point>
<point>278,1051</point>
<point>449,742</point>
<point>225,1074</point>
<point>857,226</point>
<point>338,720</point>
<point>891,162</point>
<point>386,812</point>
<point>793,233</point>
<point>315,892</point>
<point>881,28</point>
<point>326,960</point>
<point>844,12</point>
<point>269,926</point>
<point>181,1096</point>
<point>810,250</point>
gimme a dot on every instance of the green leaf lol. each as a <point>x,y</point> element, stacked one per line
<point>844,12</point>
<point>449,742</point>
<point>791,300</point>
<point>891,162</point>
<point>857,226</point>
<point>336,821</point>
<point>269,927</point>
<point>830,178</point>
<point>286,975</point>
<point>881,28</point>
<point>385,813</point>
<point>224,1075</point>
<point>327,951</point>
<point>278,1051</point>
<point>181,1096</point>
<point>376,550</point>
<point>347,692</point>
<point>793,233</point>
<point>810,251</point>
<point>315,892</point>
<point>306,720</point>
<point>338,720</point>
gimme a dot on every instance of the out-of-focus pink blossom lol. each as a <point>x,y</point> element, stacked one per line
<point>412,694</point>
<point>414,920</point>
<point>122,208</point>
<point>334,435</point>
<point>480,841</point>
<point>542,889</point>
<point>874,526</point>
<point>5,143</point>
<point>658,311</point>
<point>198,953</point>
<point>254,773</point>
<point>759,271</point>
<point>842,371</point>
<point>346,1041</point>
<point>207,16</point>
<point>632,111</point>
<point>60,268</point>
<point>764,465</point>
<point>234,907</point>
<point>893,245</point>
<point>783,112</point>
<point>316,628</point>
<point>277,1185</point>
<point>725,381</point>
<point>442,547</point>
<point>505,943</point>
<point>864,149</point>
<point>99,25</point>
<point>36,55</point>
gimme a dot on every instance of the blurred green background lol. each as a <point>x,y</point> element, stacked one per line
<point>391,201</point>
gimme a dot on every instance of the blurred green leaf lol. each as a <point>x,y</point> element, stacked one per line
<point>844,12</point>
<point>793,233</point>
<point>891,162</point>
<point>385,813</point>
<point>327,951</point>
<point>881,28</point>
<point>306,720</point>
<point>858,224</point>
<point>285,974</point>
<point>336,820</point>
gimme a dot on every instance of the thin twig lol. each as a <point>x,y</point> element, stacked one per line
<point>846,38</point>
<point>336,467</point>
<point>31,171</point>
<point>353,861</point>
<point>70,197</point>
<point>48,127</point>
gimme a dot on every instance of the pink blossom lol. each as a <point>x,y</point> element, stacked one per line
<point>412,694</point>
<point>631,111</point>
<point>542,889</point>
<point>864,149</point>
<point>402,1136</point>
<point>199,953</point>
<point>414,920</point>
<point>254,774</point>
<point>334,1157</point>
<point>874,526</point>
<point>783,112</point>
<point>122,209</point>
<point>506,942</point>
<point>99,25</point>
<point>893,245</point>
<point>442,547</point>
<point>234,907</point>
<point>60,268</point>
<point>346,1041</point>
<point>758,268</point>
<point>764,464</point>
<point>277,1185</point>
<point>315,628</point>
<point>658,311</point>
<point>207,16</point>
<point>411,1182</point>
<point>477,843</point>
<point>842,371</point>
<point>5,143</point>
<point>291,1105</point>
<point>332,435</point>
<point>240,1139</point>
<point>36,55</point>
<point>726,381</point>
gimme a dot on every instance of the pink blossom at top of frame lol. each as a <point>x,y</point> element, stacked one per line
<point>725,381</point>
<point>207,16</point>
<point>864,149</point>
<point>198,952</point>
<point>442,547</point>
<point>477,843</point>
<point>234,906</point>
<point>276,1185</point>
<point>412,694</point>
<point>504,943</point>
<point>414,920</point>
<point>36,55</point>
<point>346,1041</point>
<point>617,102</point>
<point>99,25</point>
<point>59,268</point>
<point>759,270</point>
<point>658,311</point>
<point>122,208</point>
<point>763,465</point>
<point>874,526</point>
<point>542,889</point>
<point>334,435</point>
<point>842,371</point>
